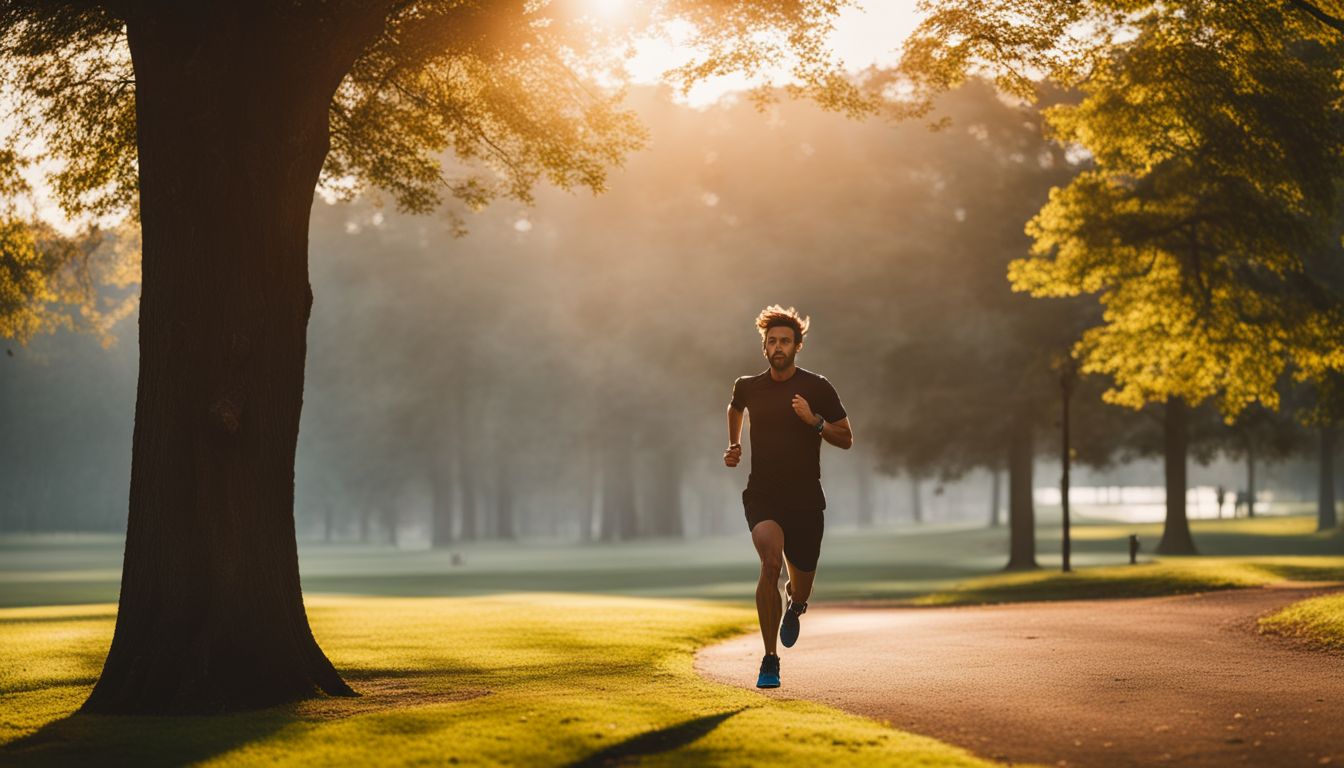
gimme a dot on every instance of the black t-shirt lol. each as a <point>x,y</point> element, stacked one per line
<point>786,451</point>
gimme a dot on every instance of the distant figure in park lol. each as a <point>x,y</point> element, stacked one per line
<point>1219,496</point>
<point>792,411</point>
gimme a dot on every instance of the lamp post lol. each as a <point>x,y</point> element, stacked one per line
<point>1068,380</point>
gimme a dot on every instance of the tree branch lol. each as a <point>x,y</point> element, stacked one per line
<point>1313,10</point>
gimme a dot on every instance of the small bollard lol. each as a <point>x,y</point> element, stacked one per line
<point>1133,549</point>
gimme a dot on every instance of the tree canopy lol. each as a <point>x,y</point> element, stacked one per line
<point>1195,226</point>
<point>513,93</point>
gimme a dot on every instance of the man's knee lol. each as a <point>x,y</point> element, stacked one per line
<point>771,563</point>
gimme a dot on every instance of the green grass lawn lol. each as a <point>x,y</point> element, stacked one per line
<point>1237,553</point>
<point>499,660</point>
<point>523,679</point>
<point>894,564</point>
<point>1168,576</point>
<point>1319,621</point>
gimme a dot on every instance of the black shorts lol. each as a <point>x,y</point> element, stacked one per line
<point>802,528</point>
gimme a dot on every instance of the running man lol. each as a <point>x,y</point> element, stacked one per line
<point>792,411</point>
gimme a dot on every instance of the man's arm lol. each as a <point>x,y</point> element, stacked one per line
<point>734,453</point>
<point>838,433</point>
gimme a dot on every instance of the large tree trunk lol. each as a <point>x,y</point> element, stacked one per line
<point>1021,506</point>
<point>231,111</point>
<point>1176,538</point>
<point>1325,494</point>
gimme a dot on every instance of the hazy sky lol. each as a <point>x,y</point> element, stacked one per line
<point>870,32</point>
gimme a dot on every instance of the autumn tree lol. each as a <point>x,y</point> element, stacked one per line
<point>215,122</point>
<point>1193,226</point>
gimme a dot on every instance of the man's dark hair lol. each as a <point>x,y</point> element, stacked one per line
<point>775,316</point>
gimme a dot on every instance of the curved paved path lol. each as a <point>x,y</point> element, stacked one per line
<point>1181,681</point>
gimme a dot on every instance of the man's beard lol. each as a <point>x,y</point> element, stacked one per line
<point>781,362</point>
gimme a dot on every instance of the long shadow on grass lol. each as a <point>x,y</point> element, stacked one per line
<point>143,740</point>
<point>655,742</point>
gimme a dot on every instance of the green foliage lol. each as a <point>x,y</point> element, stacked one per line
<point>1217,152</point>
<point>71,94</point>
<point>24,287</point>
<point>1018,42</point>
<point>523,680</point>
<point>514,93</point>
<point>49,281</point>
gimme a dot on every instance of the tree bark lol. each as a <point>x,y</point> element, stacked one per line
<point>1176,538</point>
<point>1325,494</point>
<point>1021,505</point>
<point>231,111</point>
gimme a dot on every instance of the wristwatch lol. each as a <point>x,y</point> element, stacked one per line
<point>820,425</point>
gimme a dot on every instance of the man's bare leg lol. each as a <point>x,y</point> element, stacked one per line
<point>800,583</point>
<point>769,540</point>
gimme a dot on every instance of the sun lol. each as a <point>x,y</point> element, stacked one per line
<point>604,8</point>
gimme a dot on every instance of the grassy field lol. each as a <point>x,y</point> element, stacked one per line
<point>884,564</point>
<point>524,679</point>
<point>1165,577</point>
<point>560,654</point>
<point>1319,621</point>
<point>1237,553</point>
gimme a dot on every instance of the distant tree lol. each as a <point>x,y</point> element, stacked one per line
<point>1193,226</point>
<point>1320,409</point>
<point>970,380</point>
<point>148,106</point>
<point>1262,435</point>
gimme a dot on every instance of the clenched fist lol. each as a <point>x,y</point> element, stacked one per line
<point>804,411</point>
<point>733,455</point>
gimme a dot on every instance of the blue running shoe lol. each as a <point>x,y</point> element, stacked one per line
<point>788,629</point>
<point>769,677</point>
